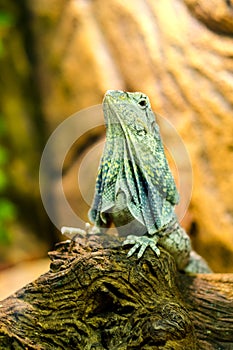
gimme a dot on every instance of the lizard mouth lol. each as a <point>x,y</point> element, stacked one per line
<point>111,99</point>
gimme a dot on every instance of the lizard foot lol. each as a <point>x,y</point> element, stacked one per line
<point>141,242</point>
<point>73,232</point>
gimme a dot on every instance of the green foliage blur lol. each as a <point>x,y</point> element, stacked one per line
<point>7,208</point>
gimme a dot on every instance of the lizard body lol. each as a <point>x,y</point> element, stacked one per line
<point>135,188</point>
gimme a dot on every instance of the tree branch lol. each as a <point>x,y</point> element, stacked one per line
<point>93,297</point>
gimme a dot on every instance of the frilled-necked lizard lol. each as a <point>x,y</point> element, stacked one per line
<point>135,188</point>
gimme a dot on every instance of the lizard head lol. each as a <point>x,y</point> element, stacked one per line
<point>131,110</point>
<point>129,114</point>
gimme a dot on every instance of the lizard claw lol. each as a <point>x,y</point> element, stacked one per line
<point>72,232</point>
<point>141,242</point>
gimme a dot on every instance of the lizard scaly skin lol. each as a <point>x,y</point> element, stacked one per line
<point>135,188</point>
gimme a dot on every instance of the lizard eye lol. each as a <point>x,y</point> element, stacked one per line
<point>142,102</point>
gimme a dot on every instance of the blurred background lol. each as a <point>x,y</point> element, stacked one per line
<point>60,56</point>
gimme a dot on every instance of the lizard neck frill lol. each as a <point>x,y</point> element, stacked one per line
<point>133,162</point>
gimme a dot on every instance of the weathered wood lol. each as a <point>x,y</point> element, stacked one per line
<point>93,297</point>
<point>210,303</point>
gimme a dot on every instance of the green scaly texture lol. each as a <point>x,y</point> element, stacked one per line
<point>133,162</point>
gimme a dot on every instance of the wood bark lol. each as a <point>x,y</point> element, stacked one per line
<point>94,297</point>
